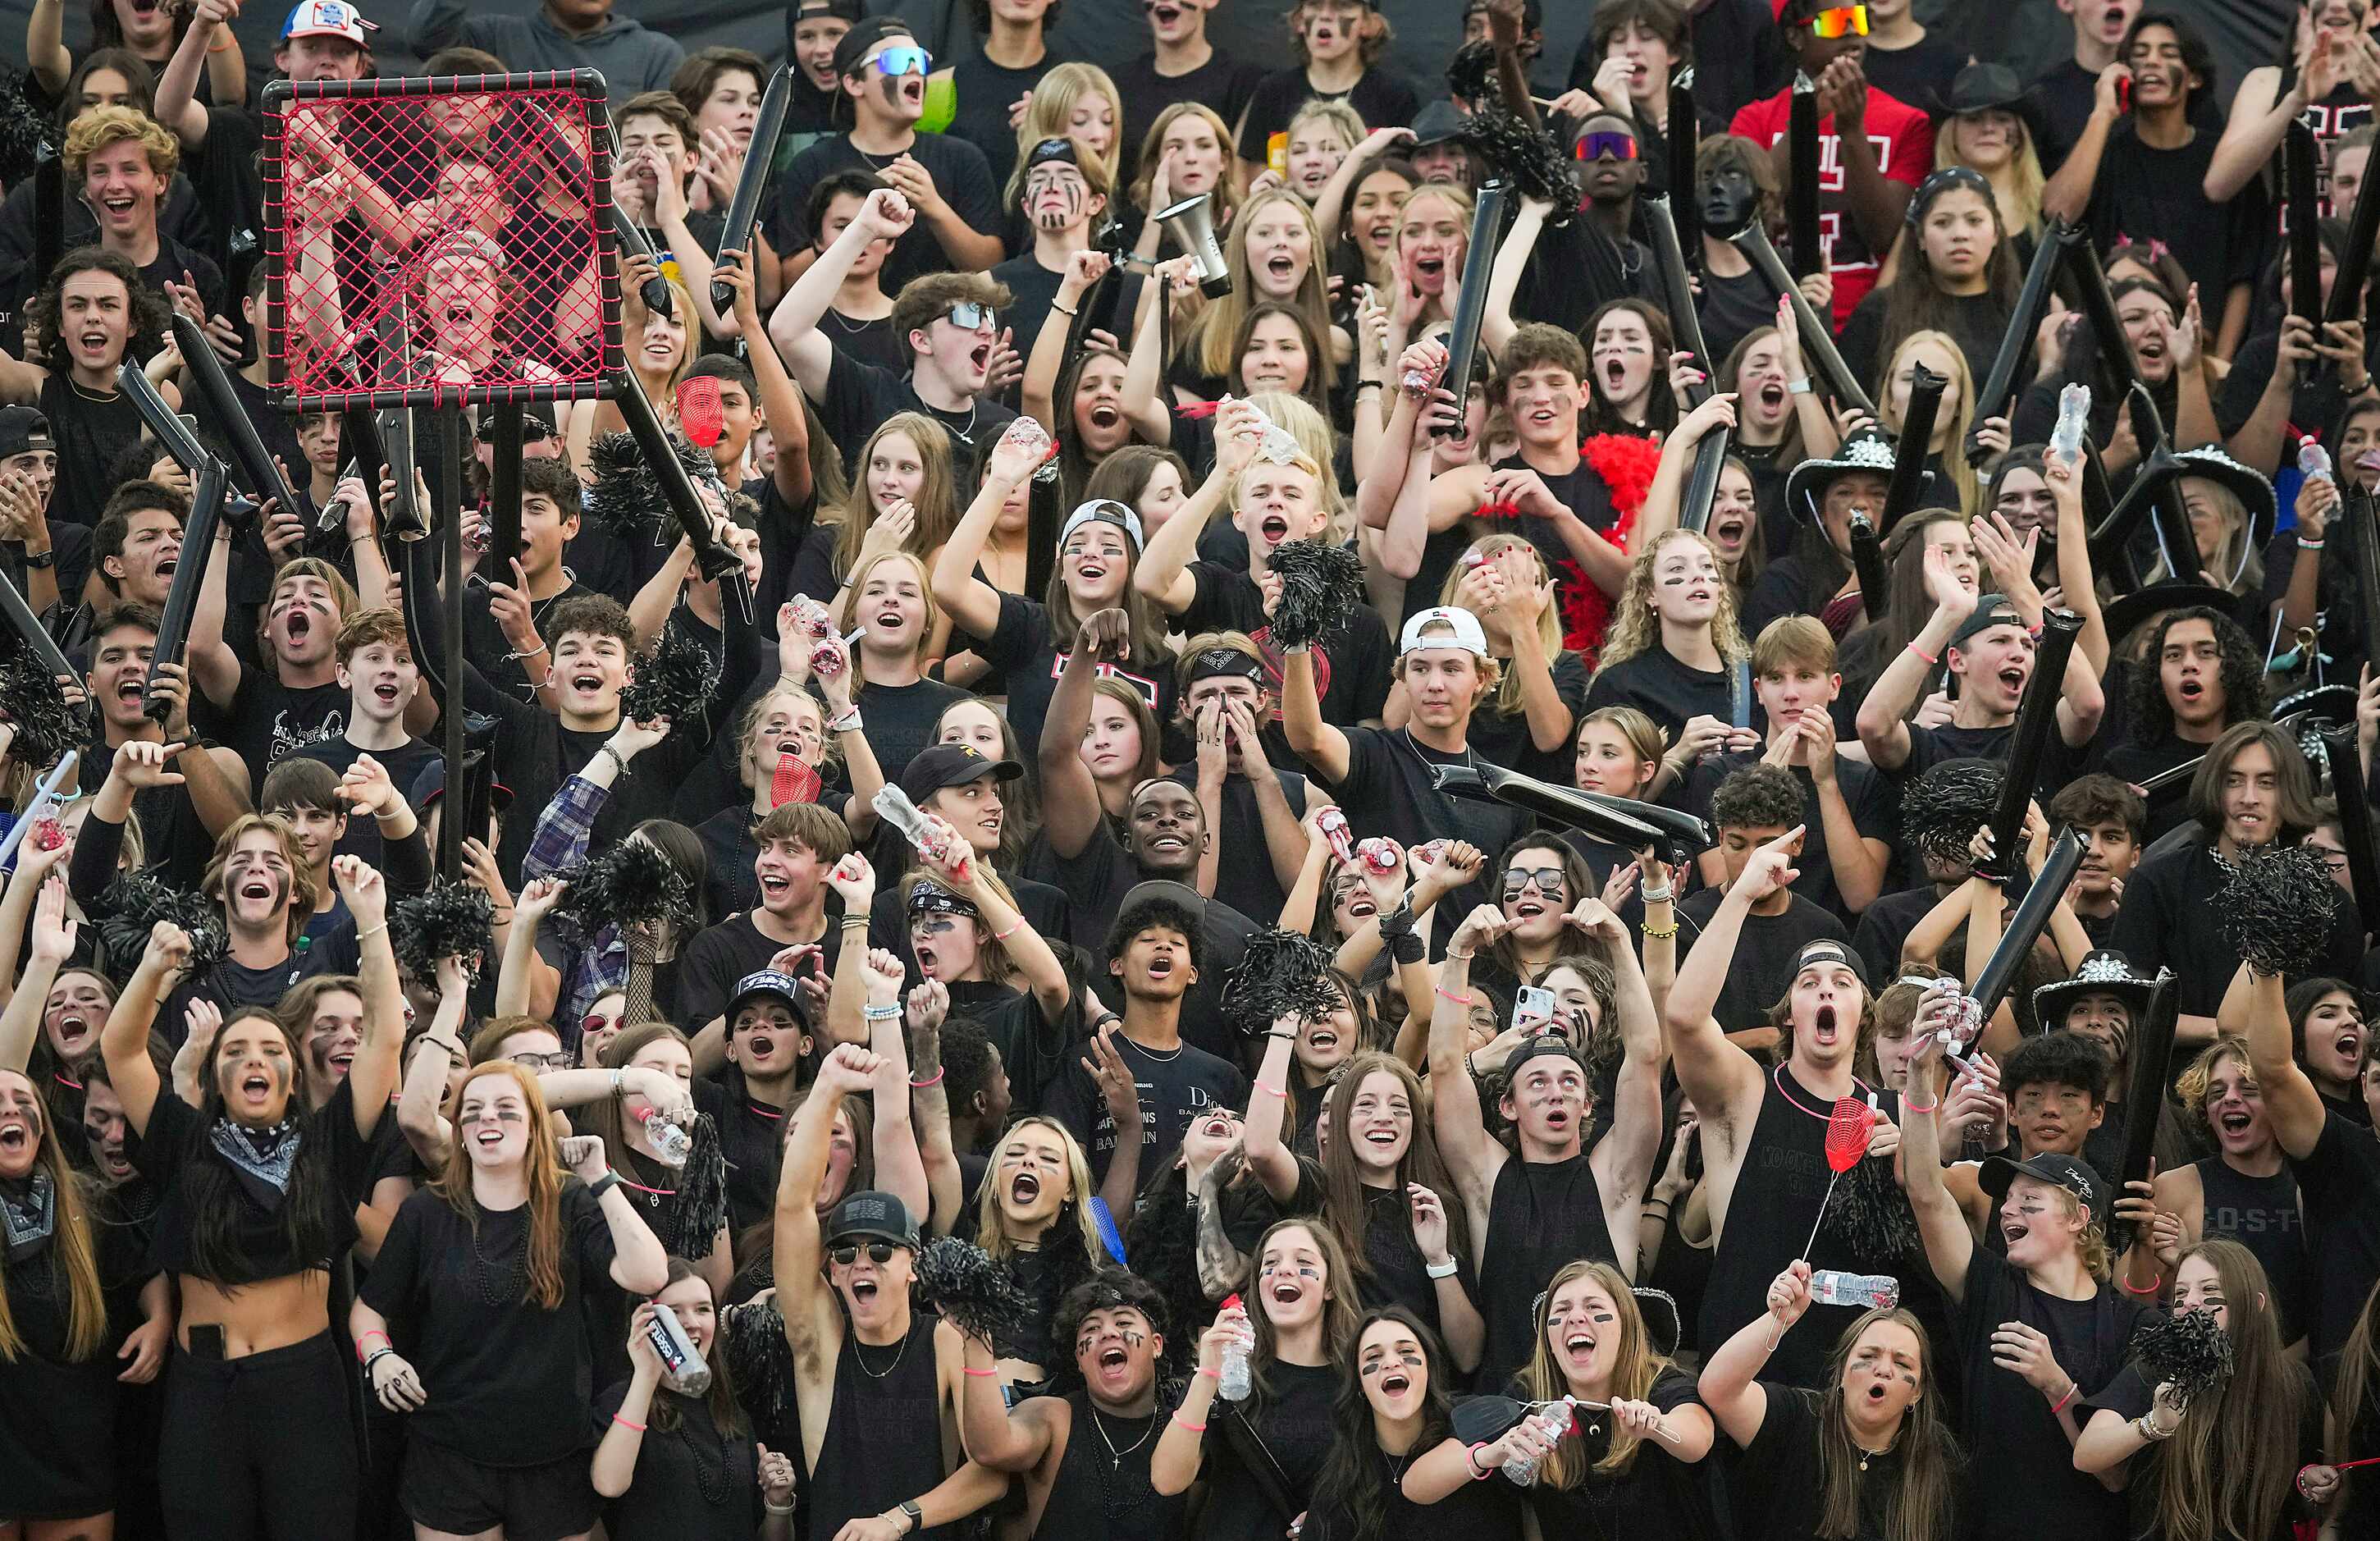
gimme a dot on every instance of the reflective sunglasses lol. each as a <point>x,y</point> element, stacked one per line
<point>969,315</point>
<point>1600,142</point>
<point>1548,878</point>
<point>917,60</point>
<point>1840,21</point>
<point>879,1253</point>
<point>596,1022</point>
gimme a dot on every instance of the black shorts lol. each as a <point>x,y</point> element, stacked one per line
<point>448,1491</point>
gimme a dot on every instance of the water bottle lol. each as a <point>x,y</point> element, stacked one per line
<point>683,1370</point>
<point>1334,825</point>
<point>1521,1471</point>
<point>671,1144</point>
<point>2313,461</point>
<point>893,806</point>
<point>1234,1382</point>
<point>2073,420</point>
<point>1866,1291</point>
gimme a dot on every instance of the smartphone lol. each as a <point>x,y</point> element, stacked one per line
<point>1277,153</point>
<point>1532,1004</point>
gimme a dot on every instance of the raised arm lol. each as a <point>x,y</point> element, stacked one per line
<point>1270,1159</point>
<point>1182,1450</point>
<point>1720,1077</point>
<point>930,1106</point>
<point>1070,798</point>
<point>1318,743</point>
<point>1472,1158</point>
<point>1520,243</point>
<point>1048,360</point>
<point>969,601</point>
<point>372,1080</point>
<point>1883,717</point>
<point>2259,119</point>
<point>813,1316</point>
<point>1624,1159</point>
<point>2254,1007</point>
<point>124,1042</point>
<point>53,942</point>
<point>418,1104</point>
<point>2069,192</point>
<point>1949,1244</point>
<point>1163,572</point>
<point>1144,364</point>
<point>808,356</point>
<point>176,104</point>
<point>1731,1385</point>
<point>900,1170</point>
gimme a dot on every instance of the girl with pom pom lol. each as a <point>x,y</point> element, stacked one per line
<point>1035,1218</point>
<point>2225,1461</point>
<point>1626,1465</point>
<point>488,1270</point>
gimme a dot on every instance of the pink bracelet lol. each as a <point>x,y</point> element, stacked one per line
<point>1930,659</point>
<point>970,1369</point>
<point>935,1080</point>
<point>1195,1429</point>
<point>2060,1405</point>
<point>1003,936</point>
<point>361,1341</point>
<point>626,1424</point>
<point>1272,1091</point>
<point>1204,1370</point>
<point>1909,1107</point>
<point>1471,1459</point>
<point>1458,999</point>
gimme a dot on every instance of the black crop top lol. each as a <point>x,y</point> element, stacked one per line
<point>177,1141</point>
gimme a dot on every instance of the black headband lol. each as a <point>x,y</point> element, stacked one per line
<point>1940,181</point>
<point>1226,663</point>
<point>927,898</point>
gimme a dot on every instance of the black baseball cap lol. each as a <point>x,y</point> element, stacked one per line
<point>1540,1045</point>
<point>874,1214</point>
<point>536,422</point>
<point>1992,610</point>
<point>22,431</point>
<point>2065,1172</point>
<point>431,786</point>
<point>1826,950</point>
<point>769,983</point>
<point>940,765</point>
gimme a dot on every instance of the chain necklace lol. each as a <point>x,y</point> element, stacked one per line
<point>1115,1456</point>
<point>500,1285</point>
<point>860,1358</point>
<point>709,1479</point>
<point>1868,1455</point>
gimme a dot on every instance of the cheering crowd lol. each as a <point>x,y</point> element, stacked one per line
<point>1386,882</point>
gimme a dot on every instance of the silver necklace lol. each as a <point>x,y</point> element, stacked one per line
<point>1115,1456</point>
<point>862,1359</point>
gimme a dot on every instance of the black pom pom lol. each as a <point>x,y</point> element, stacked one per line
<point>23,132</point>
<point>1470,75</point>
<point>1532,160</point>
<point>1321,589</point>
<point>631,884</point>
<point>448,920</point>
<point>626,497</point>
<point>132,906</point>
<point>2277,910</point>
<point>1942,808</point>
<point>1869,1215</point>
<point>2189,1348</point>
<point>32,704</point>
<point>972,1289</point>
<point>1280,975</point>
<point>674,680</point>
<point>701,1207</point>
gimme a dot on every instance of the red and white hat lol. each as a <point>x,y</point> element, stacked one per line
<point>328,18</point>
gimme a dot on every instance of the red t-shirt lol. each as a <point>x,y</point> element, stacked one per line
<point>1904,137</point>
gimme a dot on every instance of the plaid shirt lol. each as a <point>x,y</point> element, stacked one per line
<point>595,963</point>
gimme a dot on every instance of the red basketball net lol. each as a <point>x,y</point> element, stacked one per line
<point>441,240</point>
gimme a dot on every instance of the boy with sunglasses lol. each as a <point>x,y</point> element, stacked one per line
<point>1872,148</point>
<point>882,73</point>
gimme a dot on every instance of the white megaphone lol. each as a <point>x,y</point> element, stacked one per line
<point>1191,223</point>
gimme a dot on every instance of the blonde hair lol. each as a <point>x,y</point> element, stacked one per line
<point>991,1226</point>
<point>1207,341</point>
<point>541,1167</point>
<point>1635,629</point>
<point>1335,112</point>
<point>1152,150</point>
<point>2021,201</point>
<point>916,565</point>
<point>688,349</point>
<point>96,129</point>
<point>1635,1369</point>
<point>1298,418</point>
<point>2238,554</point>
<point>1953,429</point>
<point>936,503</point>
<point>1052,102</point>
<point>1549,637</point>
<point>86,1304</point>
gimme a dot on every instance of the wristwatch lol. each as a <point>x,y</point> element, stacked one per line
<point>38,559</point>
<point>917,1516</point>
<point>1799,387</point>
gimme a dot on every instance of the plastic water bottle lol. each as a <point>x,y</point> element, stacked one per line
<point>1521,1471</point>
<point>1829,1287</point>
<point>671,1144</point>
<point>1334,825</point>
<point>2313,461</point>
<point>682,1367</point>
<point>2073,420</point>
<point>1233,1382</point>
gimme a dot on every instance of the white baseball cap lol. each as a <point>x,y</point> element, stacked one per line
<point>327,18</point>
<point>1462,623</point>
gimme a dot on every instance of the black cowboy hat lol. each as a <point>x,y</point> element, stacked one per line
<point>2245,482</point>
<point>2103,972</point>
<point>1867,449</point>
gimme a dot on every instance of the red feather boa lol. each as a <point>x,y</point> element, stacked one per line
<point>1626,463</point>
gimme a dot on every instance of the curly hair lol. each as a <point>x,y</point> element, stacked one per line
<point>148,314</point>
<point>1635,629</point>
<point>1757,796</point>
<point>2242,674</point>
<point>2057,1060</point>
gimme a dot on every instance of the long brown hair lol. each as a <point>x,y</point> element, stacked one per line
<point>726,1412</point>
<point>71,1244</point>
<point>1930,1461</point>
<point>602,1118</point>
<point>1339,1310</point>
<point>1636,1368</point>
<point>936,504</point>
<point>1346,1206</point>
<point>2226,1473</point>
<point>540,1169</point>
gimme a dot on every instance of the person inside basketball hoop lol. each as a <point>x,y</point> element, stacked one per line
<point>464,328</point>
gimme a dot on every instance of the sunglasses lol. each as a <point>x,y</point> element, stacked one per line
<point>969,315</point>
<point>1548,878</point>
<point>879,1253</point>
<point>917,60</point>
<point>1840,21</point>
<point>1595,145</point>
<point>597,1023</point>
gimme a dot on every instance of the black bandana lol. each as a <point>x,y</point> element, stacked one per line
<point>927,898</point>
<point>1224,663</point>
<point>29,1217</point>
<point>261,1158</point>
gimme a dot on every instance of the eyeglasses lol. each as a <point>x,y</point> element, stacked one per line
<point>555,1060</point>
<point>879,1253</point>
<point>917,60</point>
<point>969,315</point>
<point>1840,21</point>
<point>1595,145</point>
<point>2333,861</point>
<point>1548,878</point>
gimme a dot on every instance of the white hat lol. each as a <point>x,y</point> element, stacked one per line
<point>327,18</point>
<point>1465,626</point>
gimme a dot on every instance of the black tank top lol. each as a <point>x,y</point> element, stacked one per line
<point>1541,1216</point>
<point>1783,1182</point>
<point>883,1441</point>
<point>1101,1488</point>
<point>2261,1214</point>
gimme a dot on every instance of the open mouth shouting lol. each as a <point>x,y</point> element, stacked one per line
<point>1772,397</point>
<point>1578,1346</point>
<point>118,207</point>
<point>864,1292</point>
<point>1274,529</point>
<point>2233,1124</point>
<point>979,358</point>
<point>1161,966</point>
<point>1113,1364</point>
<point>774,888</point>
<point>760,1048</point>
<point>1322,1038</point>
<point>1281,268</point>
<point>91,341</point>
<point>253,1090</point>
<point>2014,1230</point>
<point>926,959</point>
<point>1728,529</point>
<point>1286,1289</point>
<point>2012,678</point>
<point>1825,1026</point>
<point>16,1136</point>
<point>586,683</point>
<point>1104,414</point>
<point>1023,1189</point>
<point>1219,1126</point>
<point>1429,272</point>
<point>890,621</point>
<point>73,1033</point>
<point>1165,16</point>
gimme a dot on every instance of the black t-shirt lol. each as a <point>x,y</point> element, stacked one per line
<point>1388,791</point>
<point>1351,673</point>
<point>1655,1494</point>
<point>752,1137</point>
<point>1866,794</point>
<point>720,955</point>
<point>2131,1396</point>
<point>859,396</point>
<point>92,433</point>
<point>1920,75</point>
<point>693,1482</point>
<point>2140,188</point>
<point>961,175</point>
<point>1244,878</point>
<point>1762,970</point>
<point>1382,97</point>
<point>2062,100</point>
<point>1672,692</point>
<point>2006,1426</point>
<point>404,764</point>
<point>508,1380</point>
<point>984,92</point>
<point>2168,919</point>
<point>179,1138</point>
<point>1022,648</point>
<point>1031,289</point>
<point>2339,1189</point>
<point>1886,924</point>
<point>1734,308</point>
<point>1293,1425</point>
<point>1776,1486</point>
<point>265,721</point>
<point>900,720</point>
<point>1976,322</point>
<point>1176,1086</point>
<point>1504,739</point>
<point>1223,83</point>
